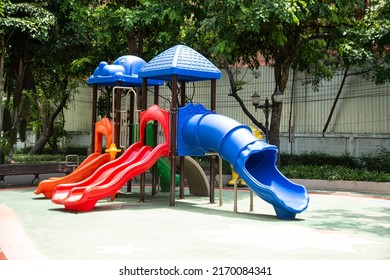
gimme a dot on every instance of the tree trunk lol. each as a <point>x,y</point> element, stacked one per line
<point>233,92</point>
<point>2,58</point>
<point>281,73</point>
<point>335,101</point>
<point>16,106</point>
<point>48,127</point>
<point>43,139</point>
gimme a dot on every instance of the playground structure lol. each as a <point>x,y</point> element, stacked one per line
<point>108,179</point>
<point>187,129</point>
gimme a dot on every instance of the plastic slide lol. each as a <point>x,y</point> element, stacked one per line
<point>164,172</point>
<point>253,159</point>
<point>111,177</point>
<point>84,170</point>
<point>88,166</point>
<point>197,181</point>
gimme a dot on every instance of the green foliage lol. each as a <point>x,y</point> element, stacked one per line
<point>62,151</point>
<point>330,172</point>
<point>377,161</point>
<point>23,158</point>
<point>375,167</point>
<point>204,162</point>
<point>27,17</point>
<point>104,104</point>
<point>2,4</point>
<point>319,159</point>
<point>4,146</point>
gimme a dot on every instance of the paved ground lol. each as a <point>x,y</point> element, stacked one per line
<point>336,226</point>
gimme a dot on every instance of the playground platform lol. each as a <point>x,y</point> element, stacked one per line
<point>336,226</point>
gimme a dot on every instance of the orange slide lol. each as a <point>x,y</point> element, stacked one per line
<point>107,180</point>
<point>87,167</point>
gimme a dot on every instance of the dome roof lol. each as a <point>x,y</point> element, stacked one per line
<point>186,63</point>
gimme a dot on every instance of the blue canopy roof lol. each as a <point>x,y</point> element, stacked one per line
<point>124,69</point>
<point>186,63</point>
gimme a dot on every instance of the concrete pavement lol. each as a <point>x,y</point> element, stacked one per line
<point>336,226</point>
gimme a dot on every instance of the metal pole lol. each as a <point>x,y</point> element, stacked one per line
<point>173,139</point>
<point>131,130</point>
<point>155,128</point>
<point>213,103</point>
<point>250,200</point>
<point>94,109</point>
<point>266,112</point>
<point>143,107</point>
<point>235,196</point>
<point>117,115</point>
<point>182,103</point>
<point>220,182</point>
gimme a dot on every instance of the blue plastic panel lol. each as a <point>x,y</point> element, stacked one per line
<point>180,60</point>
<point>124,69</point>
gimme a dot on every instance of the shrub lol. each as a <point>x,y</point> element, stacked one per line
<point>380,161</point>
<point>333,173</point>
<point>319,159</point>
<point>77,150</point>
<point>22,155</point>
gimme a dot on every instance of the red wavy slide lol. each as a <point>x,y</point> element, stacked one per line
<point>84,170</point>
<point>109,178</point>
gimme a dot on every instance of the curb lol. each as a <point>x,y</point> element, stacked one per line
<point>378,188</point>
<point>375,188</point>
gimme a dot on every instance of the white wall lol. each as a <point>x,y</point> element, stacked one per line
<point>360,123</point>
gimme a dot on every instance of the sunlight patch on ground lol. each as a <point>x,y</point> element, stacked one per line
<point>288,237</point>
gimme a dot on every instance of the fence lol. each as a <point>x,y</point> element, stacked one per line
<point>360,123</point>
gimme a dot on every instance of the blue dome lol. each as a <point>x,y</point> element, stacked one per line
<point>186,63</point>
<point>124,69</point>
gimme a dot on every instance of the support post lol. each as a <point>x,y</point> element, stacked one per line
<point>182,104</point>
<point>94,113</point>
<point>212,178</point>
<point>220,181</point>
<point>117,115</point>
<point>143,107</point>
<point>131,130</point>
<point>155,130</point>
<point>173,139</point>
<point>213,103</point>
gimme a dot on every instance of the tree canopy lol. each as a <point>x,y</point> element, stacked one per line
<point>53,43</point>
<point>317,36</point>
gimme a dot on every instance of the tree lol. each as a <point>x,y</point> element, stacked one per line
<point>56,75</point>
<point>362,50</point>
<point>23,26</point>
<point>141,28</point>
<point>304,34</point>
<point>43,42</point>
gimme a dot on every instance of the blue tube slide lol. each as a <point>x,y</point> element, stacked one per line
<point>201,131</point>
